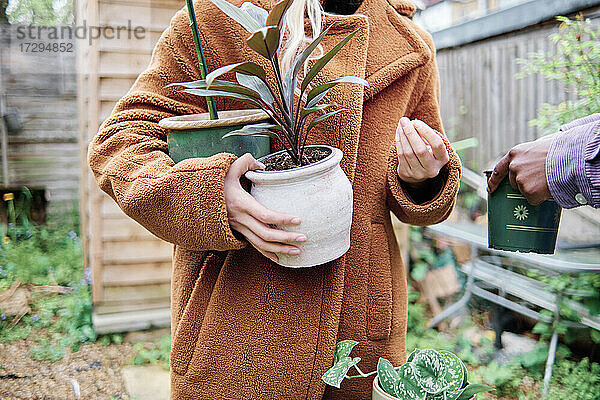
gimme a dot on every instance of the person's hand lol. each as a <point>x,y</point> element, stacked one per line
<point>421,152</point>
<point>252,219</point>
<point>525,165</point>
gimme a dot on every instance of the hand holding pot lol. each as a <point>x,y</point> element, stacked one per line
<point>525,165</point>
<point>421,152</point>
<point>251,219</point>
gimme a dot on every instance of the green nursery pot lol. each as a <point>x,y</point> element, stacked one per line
<point>516,225</point>
<point>196,135</point>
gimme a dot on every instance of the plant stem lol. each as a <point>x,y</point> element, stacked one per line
<point>210,102</point>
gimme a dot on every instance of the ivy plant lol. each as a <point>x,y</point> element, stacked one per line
<point>427,375</point>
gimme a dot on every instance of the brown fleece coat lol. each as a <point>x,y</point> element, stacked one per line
<point>244,327</point>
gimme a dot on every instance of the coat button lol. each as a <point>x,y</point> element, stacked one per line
<point>581,199</point>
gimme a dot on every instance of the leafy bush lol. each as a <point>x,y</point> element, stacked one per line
<point>576,64</point>
<point>154,353</point>
<point>52,255</point>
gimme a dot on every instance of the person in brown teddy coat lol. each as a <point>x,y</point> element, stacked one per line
<point>244,327</point>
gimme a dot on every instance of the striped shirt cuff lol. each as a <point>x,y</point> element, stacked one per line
<point>570,165</point>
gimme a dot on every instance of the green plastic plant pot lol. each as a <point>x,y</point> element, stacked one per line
<point>196,135</point>
<point>380,394</point>
<point>516,225</point>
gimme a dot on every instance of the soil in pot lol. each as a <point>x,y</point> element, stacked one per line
<point>283,161</point>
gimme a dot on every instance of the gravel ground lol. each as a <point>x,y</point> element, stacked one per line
<point>94,368</point>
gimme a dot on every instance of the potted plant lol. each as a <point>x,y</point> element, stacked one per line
<point>427,375</point>
<point>516,225</point>
<point>201,135</point>
<point>302,180</point>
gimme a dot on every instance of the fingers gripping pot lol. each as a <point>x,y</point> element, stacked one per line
<point>516,225</point>
<point>321,195</point>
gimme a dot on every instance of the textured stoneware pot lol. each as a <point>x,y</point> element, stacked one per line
<point>321,195</point>
<point>196,135</point>
<point>516,225</point>
<point>379,394</point>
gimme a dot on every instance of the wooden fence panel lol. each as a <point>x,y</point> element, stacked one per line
<point>482,98</point>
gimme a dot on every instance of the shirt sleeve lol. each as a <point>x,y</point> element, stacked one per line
<point>573,164</point>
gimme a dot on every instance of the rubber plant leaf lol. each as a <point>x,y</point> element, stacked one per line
<point>246,68</point>
<point>289,80</point>
<point>262,129</point>
<point>258,13</point>
<point>322,61</point>
<point>325,87</point>
<point>407,386</point>
<point>454,371</point>
<point>305,112</point>
<point>388,377</point>
<point>343,349</point>
<point>275,17</point>
<point>322,118</point>
<point>238,15</point>
<point>473,389</point>
<point>256,84</point>
<point>336,374</point>
<point>265,41</point>
<point>218,93</point>
<point>224,86</point>
<point>232,88</point>
<point>430,370</point>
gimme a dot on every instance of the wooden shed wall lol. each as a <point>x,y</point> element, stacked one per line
<point>131,268</point>
<point>42,87</point>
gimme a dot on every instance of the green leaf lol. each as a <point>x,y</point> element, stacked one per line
<point>275,17</point>
<point>429,369</point>
<point>223,86</point>
<point>322,61</point>
<point>325,87</point>
<point>246,68</point>
<point>419,271</point>
<point>412,355</point>
<point>289,79</point>
<point>240,16</point>
<point>336,374</point>
<point>305,112</point>
<point>322,118</point>
<point>265,41</point>
<point>388,377</point>
<point>262,129</point>
<point>454,371</point>
<point>472,389</point>
<point>218,93</point>
<point>407,387</point>
<point>465,376</point>
<point>343,349</point>
<point>257,85</point>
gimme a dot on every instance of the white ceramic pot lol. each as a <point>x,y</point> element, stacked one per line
<point>379,394</point>
<point>321,195</point>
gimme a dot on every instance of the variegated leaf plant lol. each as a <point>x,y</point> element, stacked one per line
<point>427,375</point>
<point>295,107</point>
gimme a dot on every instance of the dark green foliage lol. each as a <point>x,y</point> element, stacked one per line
<point>154,353</point>
<point>52,255</point>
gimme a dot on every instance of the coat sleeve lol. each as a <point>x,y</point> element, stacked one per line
<point>181,203</point>
<point>437,201</point>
